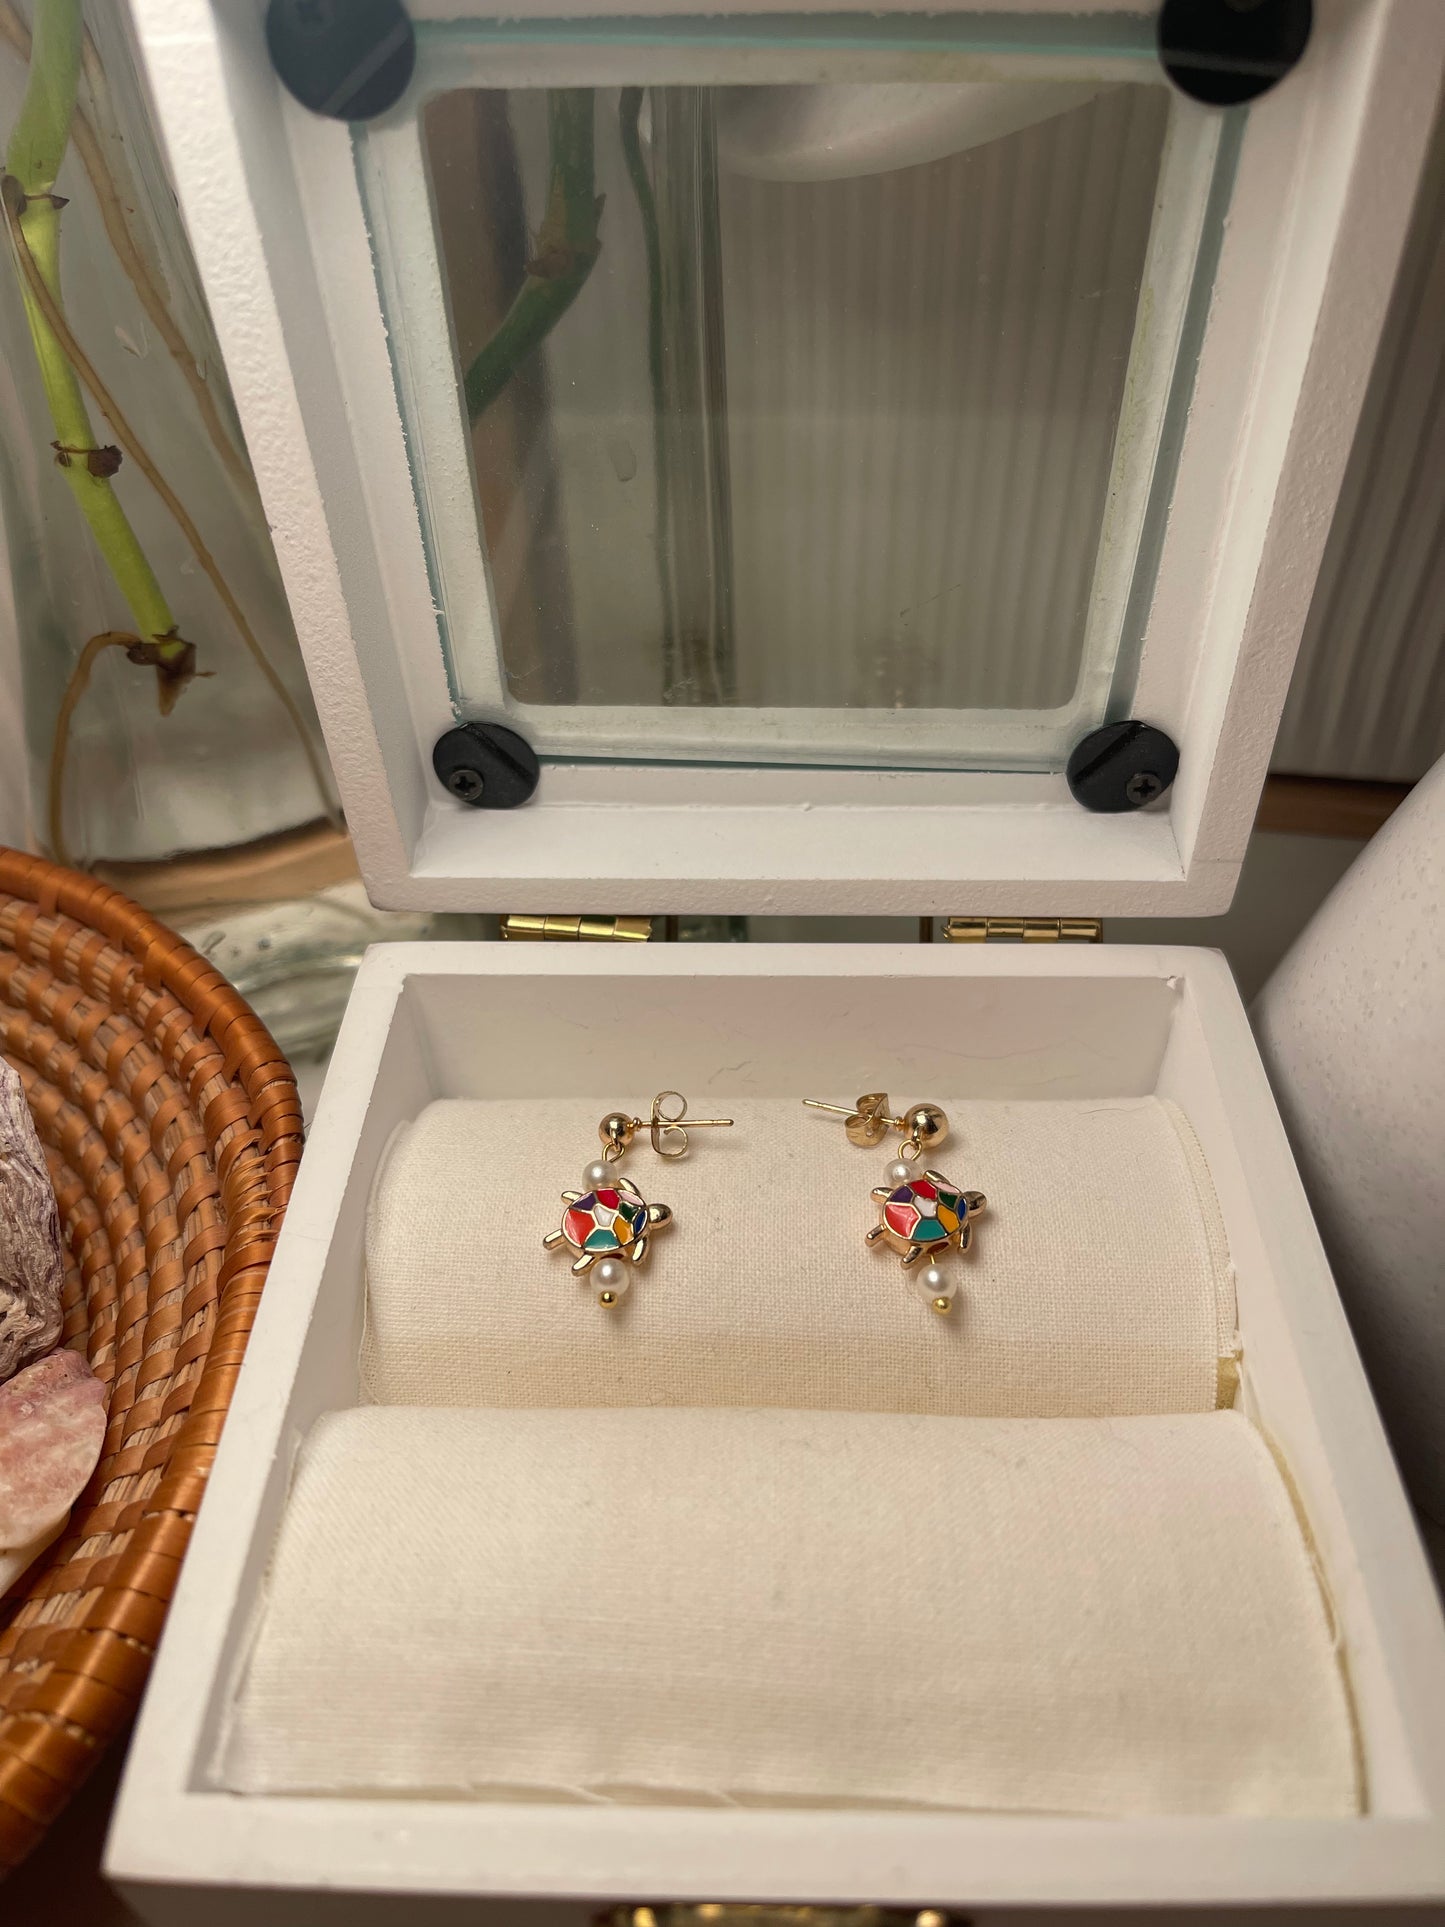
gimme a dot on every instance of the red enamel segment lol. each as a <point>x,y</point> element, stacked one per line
<point>609,1198</point>
<point>576,1225</point>
<point>900,1218</point>
<point>923,1189</point>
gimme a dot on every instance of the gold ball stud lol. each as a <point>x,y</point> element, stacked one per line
<point>607,1297</point>
<point>943,1306</point>
<point>926,1124</point>
<point>617,1129</point>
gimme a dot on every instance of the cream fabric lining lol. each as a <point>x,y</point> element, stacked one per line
<point>1099,1281</point>
<point>1108,1617</point>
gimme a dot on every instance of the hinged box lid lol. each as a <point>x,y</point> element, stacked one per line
<point>802,434</point>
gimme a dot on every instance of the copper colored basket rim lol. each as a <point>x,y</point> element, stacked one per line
<point>173,1130</point>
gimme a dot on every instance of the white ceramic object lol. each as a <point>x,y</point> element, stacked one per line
<point>439,1020</point>
<point>1352,1027</point>
<point>838,133</point>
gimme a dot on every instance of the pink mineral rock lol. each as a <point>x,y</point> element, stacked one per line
<point>52,1427</point>
<point>32,1266</point>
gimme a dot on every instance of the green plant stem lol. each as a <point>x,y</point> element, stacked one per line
<point>37,147</point>
<point>629,121</point>
<point>173,672</point>
<point>113,212</point>
<point>568,244</point>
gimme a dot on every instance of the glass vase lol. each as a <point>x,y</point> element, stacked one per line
<point>115,776</point>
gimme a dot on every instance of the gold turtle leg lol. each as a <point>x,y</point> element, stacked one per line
<point>584,1263</point>
<point>872,1237</point>
<point>553,1239</point>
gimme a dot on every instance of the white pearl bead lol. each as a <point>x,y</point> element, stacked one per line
<point>899,1172</point>
<point>933,1282</point>
<point>613,1276</point>
<point>597,1175</point>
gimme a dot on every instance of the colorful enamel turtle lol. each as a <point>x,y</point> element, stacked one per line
<point>615,1221</point>
<point>925,1217</point>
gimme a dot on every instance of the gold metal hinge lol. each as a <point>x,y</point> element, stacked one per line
<point>732,1914</point>
<point>537,929</point>
<point>576,929</point>
<point>1024,929</point>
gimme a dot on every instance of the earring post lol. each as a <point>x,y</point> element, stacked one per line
<point>851,1110</point>
<point>682,1122</point>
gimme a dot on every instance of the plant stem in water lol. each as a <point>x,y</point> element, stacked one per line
<point>32,161</point>
<point>88,147</point>
<point>568,243</point>
<point>629,117</point>
<point>167,664</point>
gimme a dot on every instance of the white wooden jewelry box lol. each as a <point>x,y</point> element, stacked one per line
<point>272,194</point>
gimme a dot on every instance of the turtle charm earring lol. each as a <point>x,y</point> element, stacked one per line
<point>608,1224</point>
<point>921,1213</point>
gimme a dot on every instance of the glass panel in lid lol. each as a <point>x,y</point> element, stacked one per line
<point>825,419</point>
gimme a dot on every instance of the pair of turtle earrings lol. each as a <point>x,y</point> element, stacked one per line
<point>608,1225</point>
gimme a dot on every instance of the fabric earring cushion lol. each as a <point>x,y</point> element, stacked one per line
<point>1098,1280</point>
<point>1105,1617</point>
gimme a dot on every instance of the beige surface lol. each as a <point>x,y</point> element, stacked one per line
<point>1083,1616</point>
<point>1098,1283</point>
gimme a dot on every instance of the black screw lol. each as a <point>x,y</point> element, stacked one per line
<point>1227,52</point>
<point>350,61</point>
<point>1121,766</point>
<point>485,765</point>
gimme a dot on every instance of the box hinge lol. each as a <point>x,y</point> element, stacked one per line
<point>1024,929</point>
<point>576,929</point>
<point>538,929</point>
<point>742,1914</point>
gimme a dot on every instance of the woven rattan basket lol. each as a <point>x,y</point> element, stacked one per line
<point>173,1131</point>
